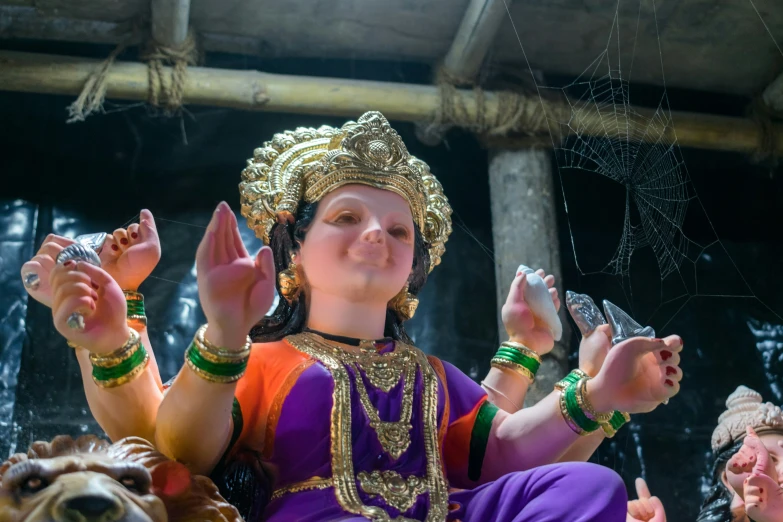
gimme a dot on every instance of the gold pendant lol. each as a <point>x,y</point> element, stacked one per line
<point>394,436</point>
<point>400,493</point>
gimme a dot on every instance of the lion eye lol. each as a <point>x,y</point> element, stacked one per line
<point>32,485</point>
<point>133,484</point>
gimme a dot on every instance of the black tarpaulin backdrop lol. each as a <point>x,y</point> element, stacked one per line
<point>97,175</point>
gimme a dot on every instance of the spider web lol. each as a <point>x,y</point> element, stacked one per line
<point>602,134</point>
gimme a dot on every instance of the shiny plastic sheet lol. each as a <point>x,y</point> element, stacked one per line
<point>17,235</point>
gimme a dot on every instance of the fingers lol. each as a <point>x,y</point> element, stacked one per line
<point>99,277</point>
<point>517,291</point>
<point>120,237</point>
<point>147,223</point>
<point>220,255</point>
<point>204,253</point>
<point>265,263</point>
<point>239,246</point>
<point>642,491</point>
<point>61,241</point>
<point>134,236</point>
<point>231,231</point>
<point>640,510</point>
<point>555,298</point>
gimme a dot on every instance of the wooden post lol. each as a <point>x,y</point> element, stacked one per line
<point>170,22</point>
<point>524,231</point>
<point>773,95</point>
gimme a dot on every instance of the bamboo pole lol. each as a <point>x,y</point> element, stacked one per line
<point>254,90</point>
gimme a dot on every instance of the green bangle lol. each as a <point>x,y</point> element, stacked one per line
<point>516,357</point>
<point>571,378</point>
<point>575,412</point>
<point>618,420</point>
<point>215,364</point>
<point>137,315</point>
<point>121,366</point>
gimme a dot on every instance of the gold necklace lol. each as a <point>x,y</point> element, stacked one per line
<point>382,370</point>
<point>394,436</point>
<point>343,475</point>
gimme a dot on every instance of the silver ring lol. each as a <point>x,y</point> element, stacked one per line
<point>76,321</point>
<point>31,280</point>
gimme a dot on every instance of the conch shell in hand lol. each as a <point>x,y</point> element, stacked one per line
<point>540,301</point>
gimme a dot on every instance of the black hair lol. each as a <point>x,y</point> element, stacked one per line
<point>717,504</point>
<point>289,318</point>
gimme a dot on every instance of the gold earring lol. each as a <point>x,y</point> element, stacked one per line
<point>290,283</point>
<point>404,304</point>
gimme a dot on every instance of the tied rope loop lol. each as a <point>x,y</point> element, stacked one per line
<point>162,93</point>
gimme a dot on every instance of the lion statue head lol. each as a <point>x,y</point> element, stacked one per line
<point>90,480</point>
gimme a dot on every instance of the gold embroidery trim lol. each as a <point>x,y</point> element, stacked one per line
<point>343,475</point>
<point>277,405</point>
<point>305,485</point>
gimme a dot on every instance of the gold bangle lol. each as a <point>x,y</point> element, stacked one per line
<point>114,358</point>
<point>131,295</point>
<point>567,417</point>
<point>524,350</point>
<point>583,400</point>
<point>220,355</point>
<point>563,383</point>
<point>499,363</point>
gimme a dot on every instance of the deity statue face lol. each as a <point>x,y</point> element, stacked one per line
<point>360,245</point>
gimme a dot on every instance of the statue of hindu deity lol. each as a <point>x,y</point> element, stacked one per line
<point>349,419</point>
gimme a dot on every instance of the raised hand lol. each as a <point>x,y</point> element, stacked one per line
<point>751,459</point>
<point>235,289</point>
<point>647,508</point>
<point>594,348</point>
<point>130,255</point>
<point>86,289</point>
<point>763,499</point>
<point>638,374</point>
<point>521,325</point>
<point>36,272</point>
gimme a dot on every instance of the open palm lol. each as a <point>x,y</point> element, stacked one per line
<point>235,289</point>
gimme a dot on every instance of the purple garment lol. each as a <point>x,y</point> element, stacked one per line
<point>570,492</point>
<point>302,450</point>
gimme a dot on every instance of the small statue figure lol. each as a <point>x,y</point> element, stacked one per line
<point>748,462</point>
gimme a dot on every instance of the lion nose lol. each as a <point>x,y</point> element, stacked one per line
<point>93,507</point>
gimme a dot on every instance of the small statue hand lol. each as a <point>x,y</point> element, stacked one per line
<point>521,325</point>
<point>638,375</point>
<point>647,508</point>
<point>751,459</point>
<point>36,272</point>
<point>763,498</point>
<point>130,255</point>
<point>89,290</point>
<point>594,348</point>
<point>235,290</point>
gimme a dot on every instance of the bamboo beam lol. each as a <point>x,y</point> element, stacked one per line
<point>474,37</point>
<point>170,22</point>
<point>254,90</point>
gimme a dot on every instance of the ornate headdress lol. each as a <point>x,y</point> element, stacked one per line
<point>745,408</point>
<point>306,164</point>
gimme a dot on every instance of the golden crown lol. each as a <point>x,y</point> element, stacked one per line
<point>306,164</point>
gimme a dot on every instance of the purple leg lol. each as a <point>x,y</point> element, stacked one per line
<point>571,492</point>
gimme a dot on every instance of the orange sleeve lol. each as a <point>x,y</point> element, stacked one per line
<point>271,372</point>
